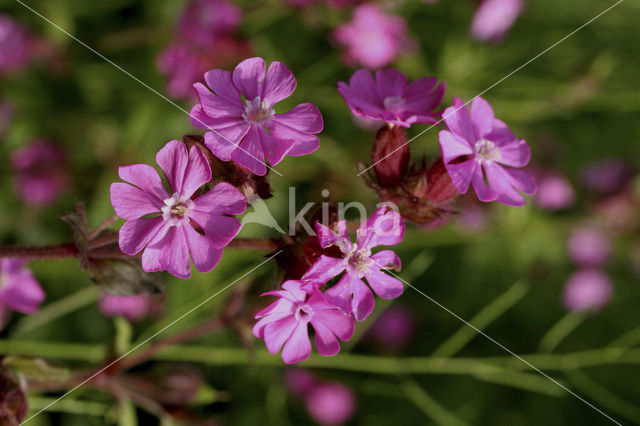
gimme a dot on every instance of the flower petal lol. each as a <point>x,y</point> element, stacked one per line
<point>173,159</point>
<point>144,177</point>
<point>152,255</point>
<point>222,143</point>
<point>22,293</point>
<point>387,259</point>
<point>363,301</point>
<point>130,202</point>
<point>279,84</point>
<point>220,81</point>
<point>135,234</point>
<point>482,116</point>
<point>223,198</point>
<point>274,149</point>
<point>197,173</point>
<point>328,237</point>
<point>298,347</point>
<point>326,342</point>
<point>462,174</point>
<point>175,255</point>
<point>453,146</point>
<point>384,285</point>
<point>304,118</point>
<point>384,227</point>
<point>459,122</point>
<point>515,154</point>
<point>361,95</point>
<point>485,193</point>
<point>324,269</point>
<point>303,143</point>
<point>250,153</point>
<point>390,83</point>
<point>248,77</point>
<point>340,323</point>
<point>276,333</point>
<point>339,295</point>
<point>216,107</point>
<point>218,229</point>
<point>205,256</point>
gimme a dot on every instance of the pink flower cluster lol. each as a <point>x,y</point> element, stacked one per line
<point>285,323</point>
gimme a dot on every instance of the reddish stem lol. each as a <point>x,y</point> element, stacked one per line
<point>53,251</point>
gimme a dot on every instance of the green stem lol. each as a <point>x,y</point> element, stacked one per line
<point>430,406</point>
<point>560,331</point>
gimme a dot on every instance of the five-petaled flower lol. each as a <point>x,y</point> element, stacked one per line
<point>164,223</point>
<point>242,122</point>
<point>19,290</point>
<point>384,227</point>
<point>391,98</point>
<point>475,149</point>
<point>286,322</point>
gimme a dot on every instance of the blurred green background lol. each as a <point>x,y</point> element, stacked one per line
<point>581,98</point>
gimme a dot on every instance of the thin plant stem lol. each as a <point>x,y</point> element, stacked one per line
<point>430,406</point>
<point>560,331</point>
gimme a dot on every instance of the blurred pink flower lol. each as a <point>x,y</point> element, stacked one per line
<point>589,246</point>
<point>385,227</point>
<point>607,176</point>
<point>169,237</point>
<point>15,45</point>
<point>494,18</point>
<point>394,328</point>
<point>299,381</point>
<point>6,116</point>
<point>40,174</point>
<point>19,290</point>
<point>373,38</point>
<point>391,98</point>
<point>249,131</point>
<point>203,21</point>
<point>554,191</point>
<point>286,322</point>
<point>587,289</point>
<point>330,403</point>
<point>134,308</point>
<point>477,142</point>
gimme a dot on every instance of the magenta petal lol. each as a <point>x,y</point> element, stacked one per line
<point>197,173</point>
<point>220,81</point>
<point>484,192</point>
<point>223,198</point>
<point>326,342</point>
<point>462,174</point>
<point>276,333</point>
<point>298,347</point>
<point>201,120</point>
<point>384,227</point>
<point>387,259</point>
<point>136,233</point>
<point>279,309</point>
<point>452,146</point>
<point>363,301</point>
<point>218,229</point>
<point>500,182</point>
<point>250,153</point>
<point>522,180</point>
<point>173,159</point>
<point>391,83</point>
<point>248,77</point>
<point>482,116</point>
<point>327,237</point>
<point>274,149</point>
<point>304,118</point>
<point>222,143</point>
<point>23,293</point>
<point>130,202</point>
<point>205,256</point>
<point>175,256</point>
<point>384,285</point>
<point>339,294</point>
<point>459,122</point>
<point>215,106</point>
<point>324,269</point>
<point>303,143</point>
<point>515,154</point>
<point>279,83</point>
<point>336,320</point>
<point>362,94</point>
<point>152,254</point>
<point>144,177</point>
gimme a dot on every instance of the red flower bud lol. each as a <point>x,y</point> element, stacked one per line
<point>440,188</point>
<point>390,156</point>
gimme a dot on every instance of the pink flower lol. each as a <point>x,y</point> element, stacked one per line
<point>391,98</point>
<point>330,403</point>
<point>372,38</point>
<point>249,131</point>
<point>394,328</point>
<point>351,294</point>
<point>607,176</point>
<point>40,174</point>
<point>477,142</point>
<point>554,191</point>
<point>285,322</point>
<point>204,21</point>
<point>587,289</point>
<point>19,290</point>
<point>494,18</point>
<point>169,236</point>
<point>15,45</point>
<point>589,246</point>
<point>134,308</point>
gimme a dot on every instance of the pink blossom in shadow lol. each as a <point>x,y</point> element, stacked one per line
<point>384,227</point>
<point>285,323</point>
<point>476,149</point>
<point>15,45</point>
<point>40,173</point>
<point>19,290</point>
<point>494,19</point>
<point>373,38</point>
<point>203,22</point>
<point>330,403</point>
<point>608,176</point>
<point>172,225</point>
<point>587,289</point>
<point>249,131</point>
<point>554,192</point>
<point>394,328</point>
<point>134,308</point>
<point>391,98</point>
<point>589,246</point>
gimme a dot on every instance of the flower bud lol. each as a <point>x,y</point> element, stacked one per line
<point>390,156</point>
<point>440,189</point>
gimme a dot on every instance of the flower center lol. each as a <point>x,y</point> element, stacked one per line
<point>393,103</point>
<point>359,261</point>
<point>303,313</point>
<point>487,150</point>
<point>176,209</point>
<point>257,111</point>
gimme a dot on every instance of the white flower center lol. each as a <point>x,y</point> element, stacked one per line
<point>304,313</point>
<point>487,150</point>
<point>257,111</point>
<point>393,103</point>
<point>359,260</point>
<point>176,209</point>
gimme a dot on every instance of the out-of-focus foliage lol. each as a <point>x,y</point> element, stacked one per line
<point>576,104</point>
